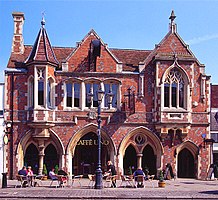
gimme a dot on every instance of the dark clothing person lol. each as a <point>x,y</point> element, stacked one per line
<point>22,172</point>
<point>137,173</point>
<point>111,169</point>
<point>168,172</point>
<point>62,172</point>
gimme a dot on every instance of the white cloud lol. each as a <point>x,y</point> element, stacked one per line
<point>202,39</point>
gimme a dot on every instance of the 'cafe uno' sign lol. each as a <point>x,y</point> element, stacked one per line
<point>92,142</point>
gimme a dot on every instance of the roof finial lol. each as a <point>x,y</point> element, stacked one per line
<point>43,19</point>
<point>172,16</point>
<point>172,24</point>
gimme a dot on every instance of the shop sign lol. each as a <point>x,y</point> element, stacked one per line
<point>92,142</point>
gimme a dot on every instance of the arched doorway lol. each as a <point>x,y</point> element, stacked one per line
<point>31,158</point>
<point>149,160</point>
<point>186,164</point>
<point>86,154</point>
<point>129,160</point>
<point>51,157</point>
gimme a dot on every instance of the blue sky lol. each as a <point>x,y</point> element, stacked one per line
<point>132,24</point>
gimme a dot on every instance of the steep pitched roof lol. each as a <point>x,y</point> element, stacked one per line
<point>79,44</point>
<point>42,50</point>
<point>172,44</point>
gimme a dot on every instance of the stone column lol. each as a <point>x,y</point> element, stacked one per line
<point>41,155</point>
<point>139,160</point>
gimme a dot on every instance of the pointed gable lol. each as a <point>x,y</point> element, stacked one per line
<point>42,51</point>
<point>172,44</point>
<point>78,60</point>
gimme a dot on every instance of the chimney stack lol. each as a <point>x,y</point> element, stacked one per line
<point>18,43</point>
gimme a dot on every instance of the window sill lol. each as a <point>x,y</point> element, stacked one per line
<point>175,110</point>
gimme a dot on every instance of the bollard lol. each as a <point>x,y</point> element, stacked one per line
<point>4,180</point>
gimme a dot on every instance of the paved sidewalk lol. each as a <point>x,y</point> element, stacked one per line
<point>175,189</point>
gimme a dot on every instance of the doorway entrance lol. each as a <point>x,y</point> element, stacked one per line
<point>31,158</point>
<point>86,154</point>
<point>149,160</point>
<point>51,157</point>
<point>130,160</point>
<point>186,164</point>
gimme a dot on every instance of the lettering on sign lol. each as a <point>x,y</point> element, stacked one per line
<point>92,142</point>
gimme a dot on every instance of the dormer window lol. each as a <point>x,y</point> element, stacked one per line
<point>174,89</point>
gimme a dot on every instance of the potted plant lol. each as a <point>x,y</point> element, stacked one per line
<point>44,172</point>
<point>161,182</point>
<point>56,169</point>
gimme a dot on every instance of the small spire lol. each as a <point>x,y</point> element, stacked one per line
<point>172,16</point>
<point>43,19</point>
<point>172,25</point>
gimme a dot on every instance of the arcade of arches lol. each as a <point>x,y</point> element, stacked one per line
<point>140,148</point>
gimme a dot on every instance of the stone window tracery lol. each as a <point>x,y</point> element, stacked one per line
<point>174,89</point>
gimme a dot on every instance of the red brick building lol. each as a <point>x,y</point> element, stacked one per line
<point>158,114</point>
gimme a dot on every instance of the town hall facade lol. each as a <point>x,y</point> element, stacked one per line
<point>155,108</point>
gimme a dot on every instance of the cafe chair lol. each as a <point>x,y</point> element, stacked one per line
<point>127,181</point>
<point>62,180</point>
<point>150,179</point>
<point>21,181</point>
<point>77,179</point>
<point>139,180</point>
<point>91,180</point>
<point>54,180</point>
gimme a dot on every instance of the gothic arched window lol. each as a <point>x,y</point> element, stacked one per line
<point>174,89</point>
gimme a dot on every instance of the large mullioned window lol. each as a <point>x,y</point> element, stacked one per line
<point>174,89</point>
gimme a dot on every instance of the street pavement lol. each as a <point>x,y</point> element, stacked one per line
<point>175,189</point>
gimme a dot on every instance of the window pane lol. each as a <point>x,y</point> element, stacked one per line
<point>174,87</point>
<point>181,95</point>
<point>88,87</point>
<point>166,94</point>
<point>40,92</point>
<point>76,94</point>
<point>31,97</point>
<point>106,89</point>
<point>114,91</point>
<point>49,93</point>
<point>95,92</point>
<point>69,94</point>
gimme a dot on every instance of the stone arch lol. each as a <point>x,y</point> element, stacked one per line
<point>70,151</point>
<point>184,73</point>
<point>194,151</point>
<point>150,138</point>
<point>27,139</point>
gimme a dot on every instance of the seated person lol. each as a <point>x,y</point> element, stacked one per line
<point>62,172</point>
<point>30,175</point>
<point>52,175</point>
<point>139,172</point>
<point>23,171</point>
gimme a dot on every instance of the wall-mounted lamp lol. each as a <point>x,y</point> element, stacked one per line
<point>7,131</point>
<point>207,141</point>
